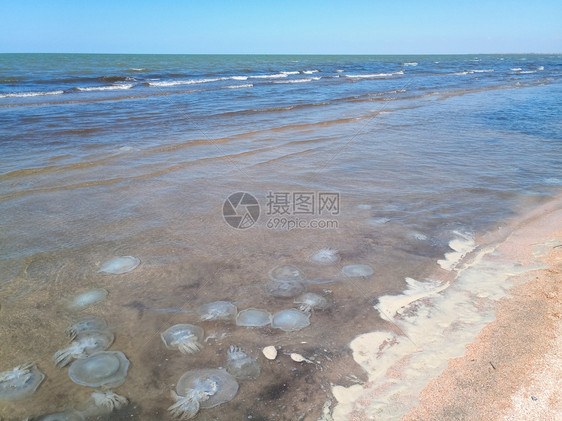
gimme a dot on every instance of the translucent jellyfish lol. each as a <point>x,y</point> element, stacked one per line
<point>219,310</point>
<point>104,368</point>
<point>85,325</point>
<point>253,317</point>
<point>70,415</point>
<point>184,337</point>
<point>357,270</point>
<point>204,388</point>
<point>86,343</point>
<point>241,365</point>
<point>119,265</point>
<point>20,383</point>
<point>88,298</point>
<point>108,401</point>
<point>310,301</point>
<point>286,273</point>
<point>325,256</point>
<point>285,289</point>
<point>290,320</point>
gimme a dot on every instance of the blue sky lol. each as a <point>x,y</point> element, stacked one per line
<point>288,27</point>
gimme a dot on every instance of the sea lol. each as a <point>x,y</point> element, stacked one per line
<point>219,171</point>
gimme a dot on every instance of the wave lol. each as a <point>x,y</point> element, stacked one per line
<point>273,76</point>
<point>527,71</point>
<point>113,79</point>
<point>106,88</point>
<point>247,85</point>
<point>30,94</point>
<point>297,80</point>
<point>400,72</point>
<point>182,82</point>
<point>309,72</point>
<point>410,64</point>
<point>470,72</point>
<point>516,69</point>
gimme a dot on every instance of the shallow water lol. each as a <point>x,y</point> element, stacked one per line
<point>415,155</point>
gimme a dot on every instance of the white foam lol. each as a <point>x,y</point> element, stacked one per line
<point>401,72</point>
<point>291,73</point>
<point>391,305</point>
<point>30,94</point>
<point>247,85</point>
<point>183,82</point>
<point>540,68</point>
<point>515,69</point>
<point>309,72</point>
<point>303,80</point>
<point>461,245</point>
<point>528,71</point>
<point>410,64</point>
<point>106,88</point>
<point>273,76</point>
<point>239,77</point>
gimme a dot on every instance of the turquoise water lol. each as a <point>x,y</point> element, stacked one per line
<point>117,155</point>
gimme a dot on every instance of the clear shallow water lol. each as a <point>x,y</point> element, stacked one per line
<point>135,155</point>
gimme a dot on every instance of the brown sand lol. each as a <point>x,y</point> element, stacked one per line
<point>513,370</point>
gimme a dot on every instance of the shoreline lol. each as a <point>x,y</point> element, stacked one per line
<point>492,281</point>
<point>512,370</point>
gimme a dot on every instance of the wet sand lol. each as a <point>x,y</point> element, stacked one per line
<point>513,369</point>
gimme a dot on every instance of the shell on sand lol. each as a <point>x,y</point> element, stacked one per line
<point>270,352</point>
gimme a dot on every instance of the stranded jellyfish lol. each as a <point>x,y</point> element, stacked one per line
<point>204,388</point>
<point>325,257</point>
<point>20,383</point>
<point>185,338</point>
<point>290,320</point>
<point>310,301</point>
<point>241,365</point>
<point>86,343</point>
<point>218,310</point>
<point>253,317</point>
<point>119,265</point>
<point>104,368</point>
<point>357,270</point>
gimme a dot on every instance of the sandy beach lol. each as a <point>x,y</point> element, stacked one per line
<point>513,370</point>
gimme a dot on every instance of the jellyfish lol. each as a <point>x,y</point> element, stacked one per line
<point>290,320</point>
<point>286,273</point>
<point>202,388</point>
<point>86,325</point>
<point>88,298</point>
<point>85,344</point>
<point>119,265</point>
<point>357,270</point>
<point>20,382</point>
<point>184,337</point>
<point>325,256</point>
<point>103,368</point>
<point>253,317</point>
<point>241,365</point>
<point>218,310</point>
<point>310,301</point>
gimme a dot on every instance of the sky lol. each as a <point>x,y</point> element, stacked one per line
<point>281,27</point>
